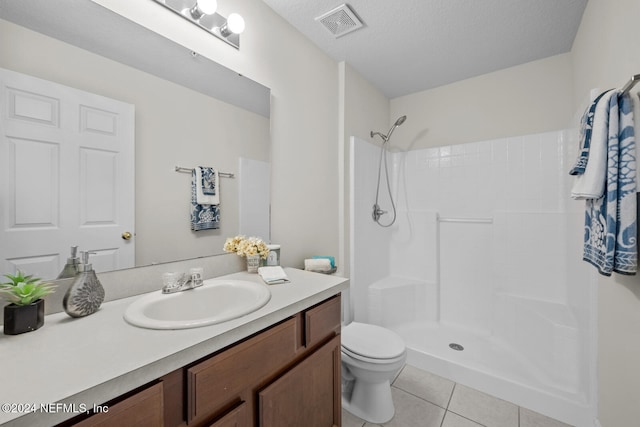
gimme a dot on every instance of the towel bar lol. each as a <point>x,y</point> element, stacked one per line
<point>631,83</point>
<point>222,174</point>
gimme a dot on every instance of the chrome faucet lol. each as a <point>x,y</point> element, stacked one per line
<point>185,282</point>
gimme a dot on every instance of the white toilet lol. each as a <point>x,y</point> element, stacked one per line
<point>371,358</point>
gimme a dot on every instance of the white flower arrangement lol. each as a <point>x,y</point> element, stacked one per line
<point>246,246</point>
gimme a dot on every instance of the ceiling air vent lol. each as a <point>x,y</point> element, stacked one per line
<point>340,21</point>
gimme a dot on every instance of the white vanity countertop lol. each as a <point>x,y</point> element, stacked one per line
<point>91,360</point>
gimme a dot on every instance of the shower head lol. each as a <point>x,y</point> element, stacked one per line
<point>400,120</point>
<point>386,137</point>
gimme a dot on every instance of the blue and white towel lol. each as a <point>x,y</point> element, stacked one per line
<point>586,129</point>
<point>203,216</point>
<point>207,190</point>
<point>591,168</point>
<point>610,239</point>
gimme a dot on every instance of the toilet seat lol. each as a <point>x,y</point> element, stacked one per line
<point>371,361</point>
<point>371,343</point>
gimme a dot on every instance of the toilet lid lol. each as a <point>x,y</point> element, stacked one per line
<point>372,341</point>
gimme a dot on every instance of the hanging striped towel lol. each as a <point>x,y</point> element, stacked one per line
<point>591,169</point>
<point>586,129</point>
<point>203,217</point>
<point>207,191</point>
<point>610,241</point>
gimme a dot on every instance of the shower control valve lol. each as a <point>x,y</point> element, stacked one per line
<point>377,212</point>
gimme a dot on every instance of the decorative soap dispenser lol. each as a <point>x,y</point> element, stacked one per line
<point>71,268</point>
<point>86,293</point>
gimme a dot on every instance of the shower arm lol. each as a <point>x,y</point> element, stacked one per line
<point>386,137</point>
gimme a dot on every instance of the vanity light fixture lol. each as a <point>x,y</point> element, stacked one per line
<point>203,14</point>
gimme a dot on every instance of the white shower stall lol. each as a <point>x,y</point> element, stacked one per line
<point>481,274</point>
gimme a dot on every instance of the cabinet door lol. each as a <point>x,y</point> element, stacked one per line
<point>228,377</point>
<point>307,395</point>
<point>142,409</point>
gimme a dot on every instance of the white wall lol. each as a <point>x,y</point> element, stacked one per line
<point>606,54</point>
<point>165,137</point>
<point>304,118</point>
<point>530,98</point>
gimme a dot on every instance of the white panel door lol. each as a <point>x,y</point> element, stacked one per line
<point>67,171</point>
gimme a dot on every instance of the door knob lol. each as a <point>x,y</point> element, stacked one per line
<point>126,235</point>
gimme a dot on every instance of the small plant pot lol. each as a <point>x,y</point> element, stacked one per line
<point>19,319</point>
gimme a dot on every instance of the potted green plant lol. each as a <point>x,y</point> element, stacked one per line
<point>26,309</point>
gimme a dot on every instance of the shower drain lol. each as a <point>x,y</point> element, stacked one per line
<point>456,347</point>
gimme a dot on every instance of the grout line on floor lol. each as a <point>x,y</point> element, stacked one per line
<point>420,397</point>
<point>453,390</point>
<point>472,420</point>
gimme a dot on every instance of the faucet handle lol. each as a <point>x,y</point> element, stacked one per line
<point>197,275</point>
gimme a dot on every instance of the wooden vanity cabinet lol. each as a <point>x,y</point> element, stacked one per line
<point>285,375</point>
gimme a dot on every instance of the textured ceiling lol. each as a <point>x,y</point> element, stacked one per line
<point>407,46</point>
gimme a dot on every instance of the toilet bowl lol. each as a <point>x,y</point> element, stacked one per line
<point>371,358</point>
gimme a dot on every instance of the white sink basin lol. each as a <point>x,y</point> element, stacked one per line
<point>216,301</point>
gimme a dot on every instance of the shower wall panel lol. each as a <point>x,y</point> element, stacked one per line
<point>520,184</point>
<point>524,173</point>
<point>466,284</point>
<point>369,249</point>
<point>413,246</point>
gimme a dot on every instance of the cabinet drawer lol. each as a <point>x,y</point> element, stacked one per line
<point>322,321</point>
<point>236,417</point>
<point>144,408</point>
<point>215,384</point>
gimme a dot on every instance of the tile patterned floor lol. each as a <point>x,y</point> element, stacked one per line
<point>426,400</point>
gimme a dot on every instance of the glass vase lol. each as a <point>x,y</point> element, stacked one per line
<point>253,262</point>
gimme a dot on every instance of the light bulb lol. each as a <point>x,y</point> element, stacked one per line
<point>208,7</point>
<point>203,7</point>
<point>235,23</point>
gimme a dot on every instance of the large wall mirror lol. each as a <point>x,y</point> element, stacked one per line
<point>188,111</point>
